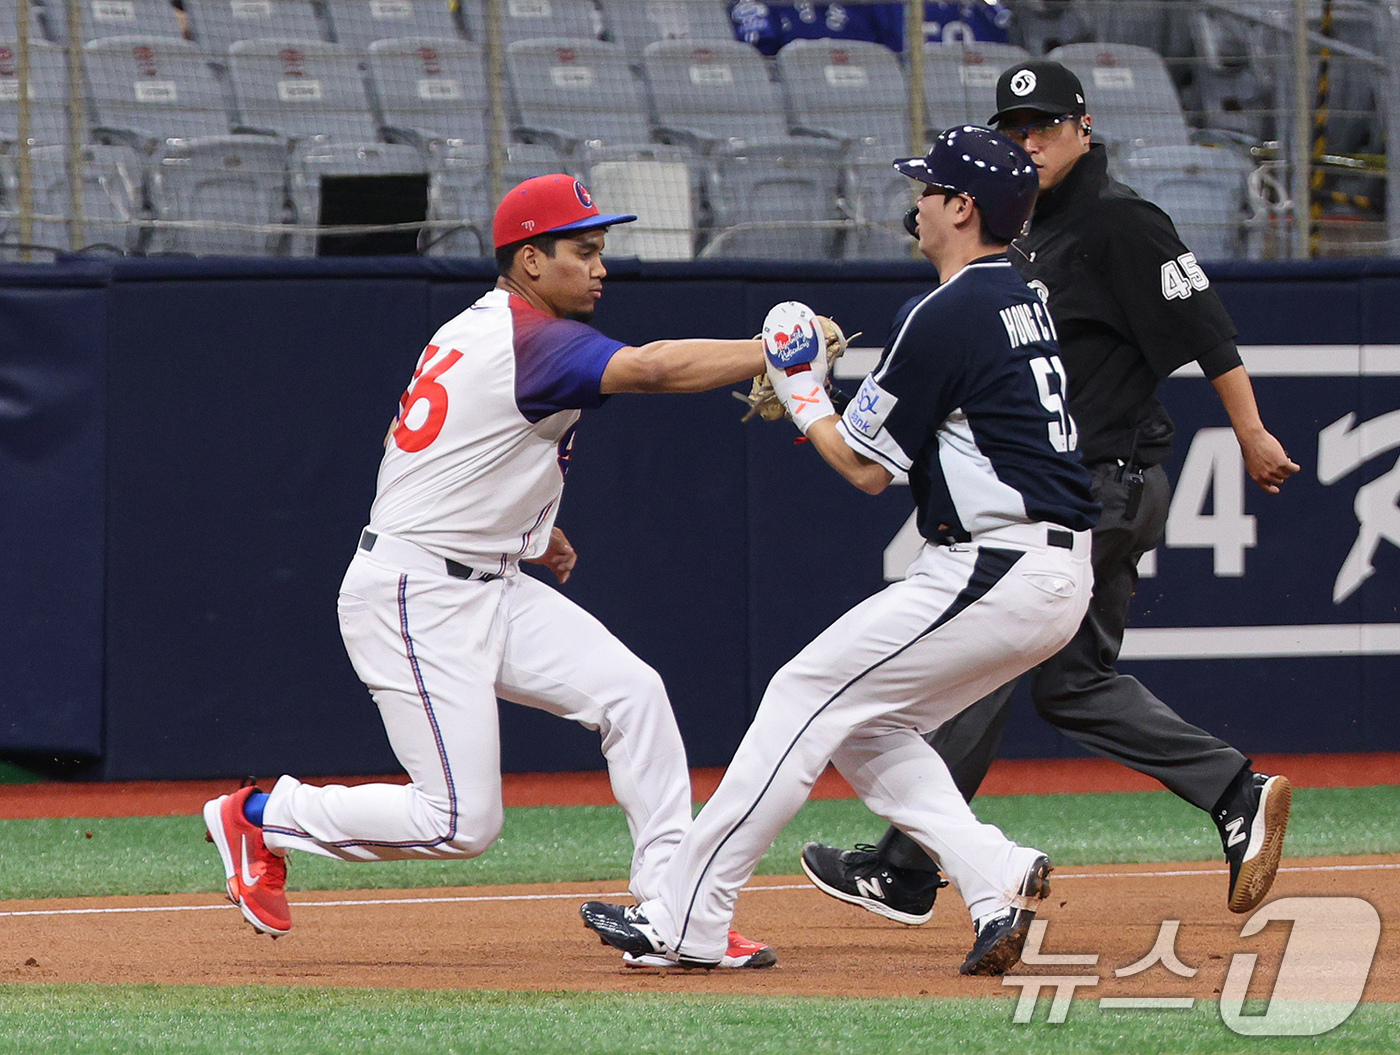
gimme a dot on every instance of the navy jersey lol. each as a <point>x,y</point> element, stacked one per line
<point>969,399</point>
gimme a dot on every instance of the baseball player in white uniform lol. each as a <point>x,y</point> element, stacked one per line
<point>436,617</point>
<point>968,400</point>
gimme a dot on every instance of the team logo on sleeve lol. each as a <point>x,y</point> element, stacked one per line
<point>868,411</point>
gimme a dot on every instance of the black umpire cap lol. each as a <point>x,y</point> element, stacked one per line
<point>1041,85</point>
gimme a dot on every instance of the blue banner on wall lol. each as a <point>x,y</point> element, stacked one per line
<point>187,453</point>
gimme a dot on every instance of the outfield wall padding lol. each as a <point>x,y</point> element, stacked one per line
<point>188,450</point>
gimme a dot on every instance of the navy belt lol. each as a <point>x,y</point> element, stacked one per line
<point>454,568</point>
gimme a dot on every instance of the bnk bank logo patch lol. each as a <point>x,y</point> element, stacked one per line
<point>868,411</point>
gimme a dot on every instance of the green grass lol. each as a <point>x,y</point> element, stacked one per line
<point>89,1019</point>
<point>161,855</point>
<point>52,858</point>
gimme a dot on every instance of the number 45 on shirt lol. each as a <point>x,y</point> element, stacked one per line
<point>1182,276</point>
<point>423,408</point>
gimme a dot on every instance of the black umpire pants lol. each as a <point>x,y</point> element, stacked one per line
<point>1079,692</point>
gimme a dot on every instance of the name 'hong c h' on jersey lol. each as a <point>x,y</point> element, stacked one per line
<point>474,465</point>
<point>970,400</point>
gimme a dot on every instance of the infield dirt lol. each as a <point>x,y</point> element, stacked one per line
<point>531,938</point>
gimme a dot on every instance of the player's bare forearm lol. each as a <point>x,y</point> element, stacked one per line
<point>870,476</point>
<point>687,365</point>
<point>1265,460</point>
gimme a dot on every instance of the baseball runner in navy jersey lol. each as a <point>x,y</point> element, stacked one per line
<point>1131,305</point>
<point>435,615</point>
<point>968,400</point>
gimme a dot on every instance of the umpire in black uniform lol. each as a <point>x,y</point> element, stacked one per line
<point>1131,305</point>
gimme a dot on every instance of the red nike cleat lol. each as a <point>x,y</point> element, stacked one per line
<point>745,953</point>
<point>256,877</point>
<point>740,953</point>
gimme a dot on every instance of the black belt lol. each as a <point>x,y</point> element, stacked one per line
<point>454,568</point>
<point>1060,538</point>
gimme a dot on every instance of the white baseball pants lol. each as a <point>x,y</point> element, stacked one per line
<point>965,620</point>
<point>435,653</point>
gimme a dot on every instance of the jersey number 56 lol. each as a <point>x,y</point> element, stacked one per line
<point>423,408</point>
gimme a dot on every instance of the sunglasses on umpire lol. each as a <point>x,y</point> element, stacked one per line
<point>1035,129</point>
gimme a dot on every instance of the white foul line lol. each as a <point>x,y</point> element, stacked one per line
<point>584,896</point>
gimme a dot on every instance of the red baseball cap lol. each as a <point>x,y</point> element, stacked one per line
<point>546,205</point>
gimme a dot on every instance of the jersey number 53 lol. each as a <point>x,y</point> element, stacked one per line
<point>423,408</point>
<point>1064,434</point>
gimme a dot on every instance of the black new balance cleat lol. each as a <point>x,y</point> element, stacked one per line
<point>1000,939</point>
<point>861,878</point>
<point>1253,819</point>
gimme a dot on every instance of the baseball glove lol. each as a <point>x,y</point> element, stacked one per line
<point>764,402</point>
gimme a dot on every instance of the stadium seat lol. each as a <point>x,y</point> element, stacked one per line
<point>1144,23</point>
<point>48,94</point>
<point>107,18</point>
<point>529,19</point>
<point>572,91</point>
<point>432,88</point>
<point>1129,95</point>
<point>636,23</point>
<point>217,24</point>
<point>661,185</point>
<point>1040,26</point>
<point>319,159</point>
<point>235,179</point>
<point>45,23</point>
<point>301,88</point>
<point>777,201</point>
<point>1231,81</point>
<point>877,197</point>
<point>460,203</point>
<point>312,92</point>
<point>1201,188</point>
<point>157,88</point>
<point>848,89</point>
<point>715,91</point>
<point>113,199</point>
<point>359,23</point>
<point>960,81</point>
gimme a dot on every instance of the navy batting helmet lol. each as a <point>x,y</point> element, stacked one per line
<point>986,166</point>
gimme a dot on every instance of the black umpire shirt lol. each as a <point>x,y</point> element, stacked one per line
<point>1130,304</point>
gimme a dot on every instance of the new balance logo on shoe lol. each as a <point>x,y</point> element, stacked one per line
<point>860,877</point>
<point>870,887</point>
<point>1235,828</point>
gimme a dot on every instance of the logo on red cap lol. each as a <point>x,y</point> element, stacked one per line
<point>555,202</point>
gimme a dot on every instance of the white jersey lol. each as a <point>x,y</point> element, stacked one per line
<point>474,467</point>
